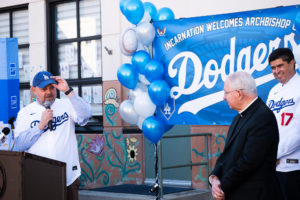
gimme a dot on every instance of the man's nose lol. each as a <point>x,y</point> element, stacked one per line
<point>48,91</point>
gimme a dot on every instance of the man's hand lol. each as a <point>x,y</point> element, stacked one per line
<point>216,190</point>
<point>47,115</point>
<point>61,85</point>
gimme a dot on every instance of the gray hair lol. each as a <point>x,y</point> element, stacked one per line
<point>242,80</point>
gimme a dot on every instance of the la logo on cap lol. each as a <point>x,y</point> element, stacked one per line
<point>45,77</point>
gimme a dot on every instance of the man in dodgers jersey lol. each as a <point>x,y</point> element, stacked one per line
<point>284,101</point>
<point>33,132</point>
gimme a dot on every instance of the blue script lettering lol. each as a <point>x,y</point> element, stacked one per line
<point>34,123</point>
<point>209,75</point>
<point>57,121</point>
<point>278,105</point>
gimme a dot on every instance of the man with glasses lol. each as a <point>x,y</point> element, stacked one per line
<point>246,168</point>
<point>284,101</point>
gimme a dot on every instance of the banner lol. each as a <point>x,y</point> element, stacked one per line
<point>199,53</point>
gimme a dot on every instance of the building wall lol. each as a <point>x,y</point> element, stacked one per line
<point>115,157</point>
<point>113,22</point>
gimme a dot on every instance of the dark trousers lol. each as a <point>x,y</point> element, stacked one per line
<point>290,184</point>
<point>72,190</point>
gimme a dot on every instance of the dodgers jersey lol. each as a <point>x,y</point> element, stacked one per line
<point>59,144</point>
<point>284,101</point>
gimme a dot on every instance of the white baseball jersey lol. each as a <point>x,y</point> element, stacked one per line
<point>59,144</point>
<point>284,101</point>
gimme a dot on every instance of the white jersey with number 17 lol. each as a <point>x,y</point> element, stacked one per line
<point>284,101</point>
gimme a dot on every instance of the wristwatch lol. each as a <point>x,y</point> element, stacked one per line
<point>69,90</point>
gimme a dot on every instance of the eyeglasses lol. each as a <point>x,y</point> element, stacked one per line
<point>228,92</point>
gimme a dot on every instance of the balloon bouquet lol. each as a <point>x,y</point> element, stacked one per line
<point>144,75</point>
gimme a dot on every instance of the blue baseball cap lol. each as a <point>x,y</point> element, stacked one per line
<point>42,79</point>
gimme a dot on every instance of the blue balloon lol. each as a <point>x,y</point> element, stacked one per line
<point>151,10</point>
<point>165,14</point>
<point>165,122</point>
<point>297,22</point>
<point>140,59</point>
<point>134,11</point>
<point>168,127</point>
<point>154,70</point>
<point>127,75</point>
<point>153,129</point>
<point>122,5</point>
<point>159,92</point>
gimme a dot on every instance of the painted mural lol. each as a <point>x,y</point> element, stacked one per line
<point>111,106</point>
<point>216,144</point>
<point>111,158</point>
<point>114,158</point>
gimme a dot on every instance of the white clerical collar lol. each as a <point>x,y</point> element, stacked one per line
<point>247,106</point>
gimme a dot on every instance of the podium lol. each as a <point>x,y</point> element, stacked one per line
<point>24,176</point>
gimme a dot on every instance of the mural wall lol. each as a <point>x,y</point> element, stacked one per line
<point>216,144</point>
<point>112,157</point>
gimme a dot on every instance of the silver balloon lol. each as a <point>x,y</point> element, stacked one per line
<point>140,47</point>
<point>140,122</point>
<point>143,105</point>
<point>128,42</point>
<point>143,79</point>
<point>128,113</point>
<point>145,33</point>
<point>138,90</point>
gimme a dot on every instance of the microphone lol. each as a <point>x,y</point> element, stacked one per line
<point>11,122</point>
<point>47,106</point>
<point>5,131</point>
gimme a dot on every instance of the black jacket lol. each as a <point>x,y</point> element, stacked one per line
<point>247,166</point>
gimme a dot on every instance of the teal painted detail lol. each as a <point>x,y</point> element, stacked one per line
<point>111,106</point>
<point>120,159</point>
<point>92,174</point>
<point>199,175</point>
<point>219,139</point>
<point>110,110</point>
<point>111,158</point>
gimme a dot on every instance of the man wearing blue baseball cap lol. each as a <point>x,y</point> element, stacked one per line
<point>46,127</point>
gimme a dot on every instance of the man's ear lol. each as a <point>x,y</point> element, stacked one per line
<point>292,62</point>
<point>33,89</point>
<point>240,93</point>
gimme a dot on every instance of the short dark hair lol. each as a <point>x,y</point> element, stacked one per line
<point>284,53</point>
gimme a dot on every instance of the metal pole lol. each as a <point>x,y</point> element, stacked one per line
<point>156,174</point>
<point>160,169</point>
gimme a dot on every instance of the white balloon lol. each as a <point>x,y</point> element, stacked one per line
<point>138,90</point>
<point>145,33</point>
<point>128,113</point>
<point>128,42</point>
<point>140,122</point>
<point>140,46</point>
<point>143,105</point>
<point>143,79</point>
